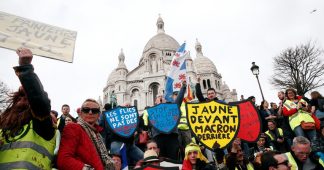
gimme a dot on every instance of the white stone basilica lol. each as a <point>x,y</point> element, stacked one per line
<point>141,85</point>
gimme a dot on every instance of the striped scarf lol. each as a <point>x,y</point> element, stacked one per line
<point>99,144</point>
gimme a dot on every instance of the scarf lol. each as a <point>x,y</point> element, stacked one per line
<point>99,144</point>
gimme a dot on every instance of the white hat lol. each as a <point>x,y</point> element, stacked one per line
<point>150,156</point>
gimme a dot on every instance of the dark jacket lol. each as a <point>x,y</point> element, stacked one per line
<point>38,101</point>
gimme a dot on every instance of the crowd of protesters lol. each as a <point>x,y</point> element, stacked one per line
<point>32,136</point>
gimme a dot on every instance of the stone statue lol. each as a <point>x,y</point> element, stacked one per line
<point>113,99</point>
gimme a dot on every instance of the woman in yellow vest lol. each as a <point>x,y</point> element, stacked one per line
<point>27,135</point>
<point>296,108</point>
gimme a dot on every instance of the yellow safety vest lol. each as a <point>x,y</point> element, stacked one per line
<point>272,137</point>
<point>248,166</point>
<point>183,124</point>
<point>27,150</point>
<point>145,117</point>
<point>297,118</point>
<point>291,161</point>
<point>321,162</point>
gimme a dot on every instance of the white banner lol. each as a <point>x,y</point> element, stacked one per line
<point>42,39</point>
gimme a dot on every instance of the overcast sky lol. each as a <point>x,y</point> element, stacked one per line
<point>232,34</point>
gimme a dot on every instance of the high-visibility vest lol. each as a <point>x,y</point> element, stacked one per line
<point>298,117</point>
<point>183,123</point>
<point>145,117</point>
<point>321,162</point>
<point>27,150</point>
<point>271,136</point>
<point>292,161</point>
<point>248,166</point>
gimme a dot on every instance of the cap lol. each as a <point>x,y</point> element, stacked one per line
<point>150,156</point>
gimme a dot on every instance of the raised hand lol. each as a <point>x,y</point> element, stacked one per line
<point>184,83</point>
<point>25,56</point>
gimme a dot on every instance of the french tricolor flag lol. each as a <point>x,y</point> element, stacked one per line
<point>177,74</point>
<point>123,154</point>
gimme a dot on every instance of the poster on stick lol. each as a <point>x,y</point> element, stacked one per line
<point>214,124</point>
<point>164,117</point>
<point>42,39</point>
<point>122,121</point>
<point>250,126</point>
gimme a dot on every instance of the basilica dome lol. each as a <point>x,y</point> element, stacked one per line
<point>161,40</point>
<point>117,74</point>
<point>203,64</point>
<point>112,77</point>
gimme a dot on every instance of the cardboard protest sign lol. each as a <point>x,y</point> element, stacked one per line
<point>42,39</point>
<point>122,121</point>
<point>213,123</point>
<point>164,117</point>
<point>250,121</point>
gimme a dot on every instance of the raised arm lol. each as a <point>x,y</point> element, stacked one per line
<point>37,97</point>
<point>180,96</point>
<point>198,92</point>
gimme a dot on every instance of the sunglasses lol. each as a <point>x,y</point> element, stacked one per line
<point>93,110</point>
<point>286,162</point>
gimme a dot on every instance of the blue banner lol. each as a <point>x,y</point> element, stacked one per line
<point>122,121</point>
<point>164,117</point>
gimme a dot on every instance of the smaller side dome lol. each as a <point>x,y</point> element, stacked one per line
<point>112,77</point>
<point>203,64</point>
<point>121,58</point>
<point>225,87</point>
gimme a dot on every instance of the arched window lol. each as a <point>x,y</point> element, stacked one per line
<point>153,63</point>
<point>155,91</point>
<point>118,88</point>
<point>218,85</point>
<point>135,103</point>
<point>204,84</point>
<point>208,83</point>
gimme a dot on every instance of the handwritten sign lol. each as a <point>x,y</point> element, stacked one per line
<point>250,126</point>
<point>214,124</point>
<point>164,117</point>
<point>122,120</point>
<point>42,39</point>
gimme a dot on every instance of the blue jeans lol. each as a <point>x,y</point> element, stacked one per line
<point>134,154</point>
<point>310,134</point>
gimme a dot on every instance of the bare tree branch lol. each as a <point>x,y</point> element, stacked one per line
<point>4,91</point>
<point>299,68</point>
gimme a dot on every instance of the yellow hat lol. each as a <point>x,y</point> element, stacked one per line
<point>195,147</point>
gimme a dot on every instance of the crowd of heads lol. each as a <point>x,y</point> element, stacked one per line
<point>285,141</point>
